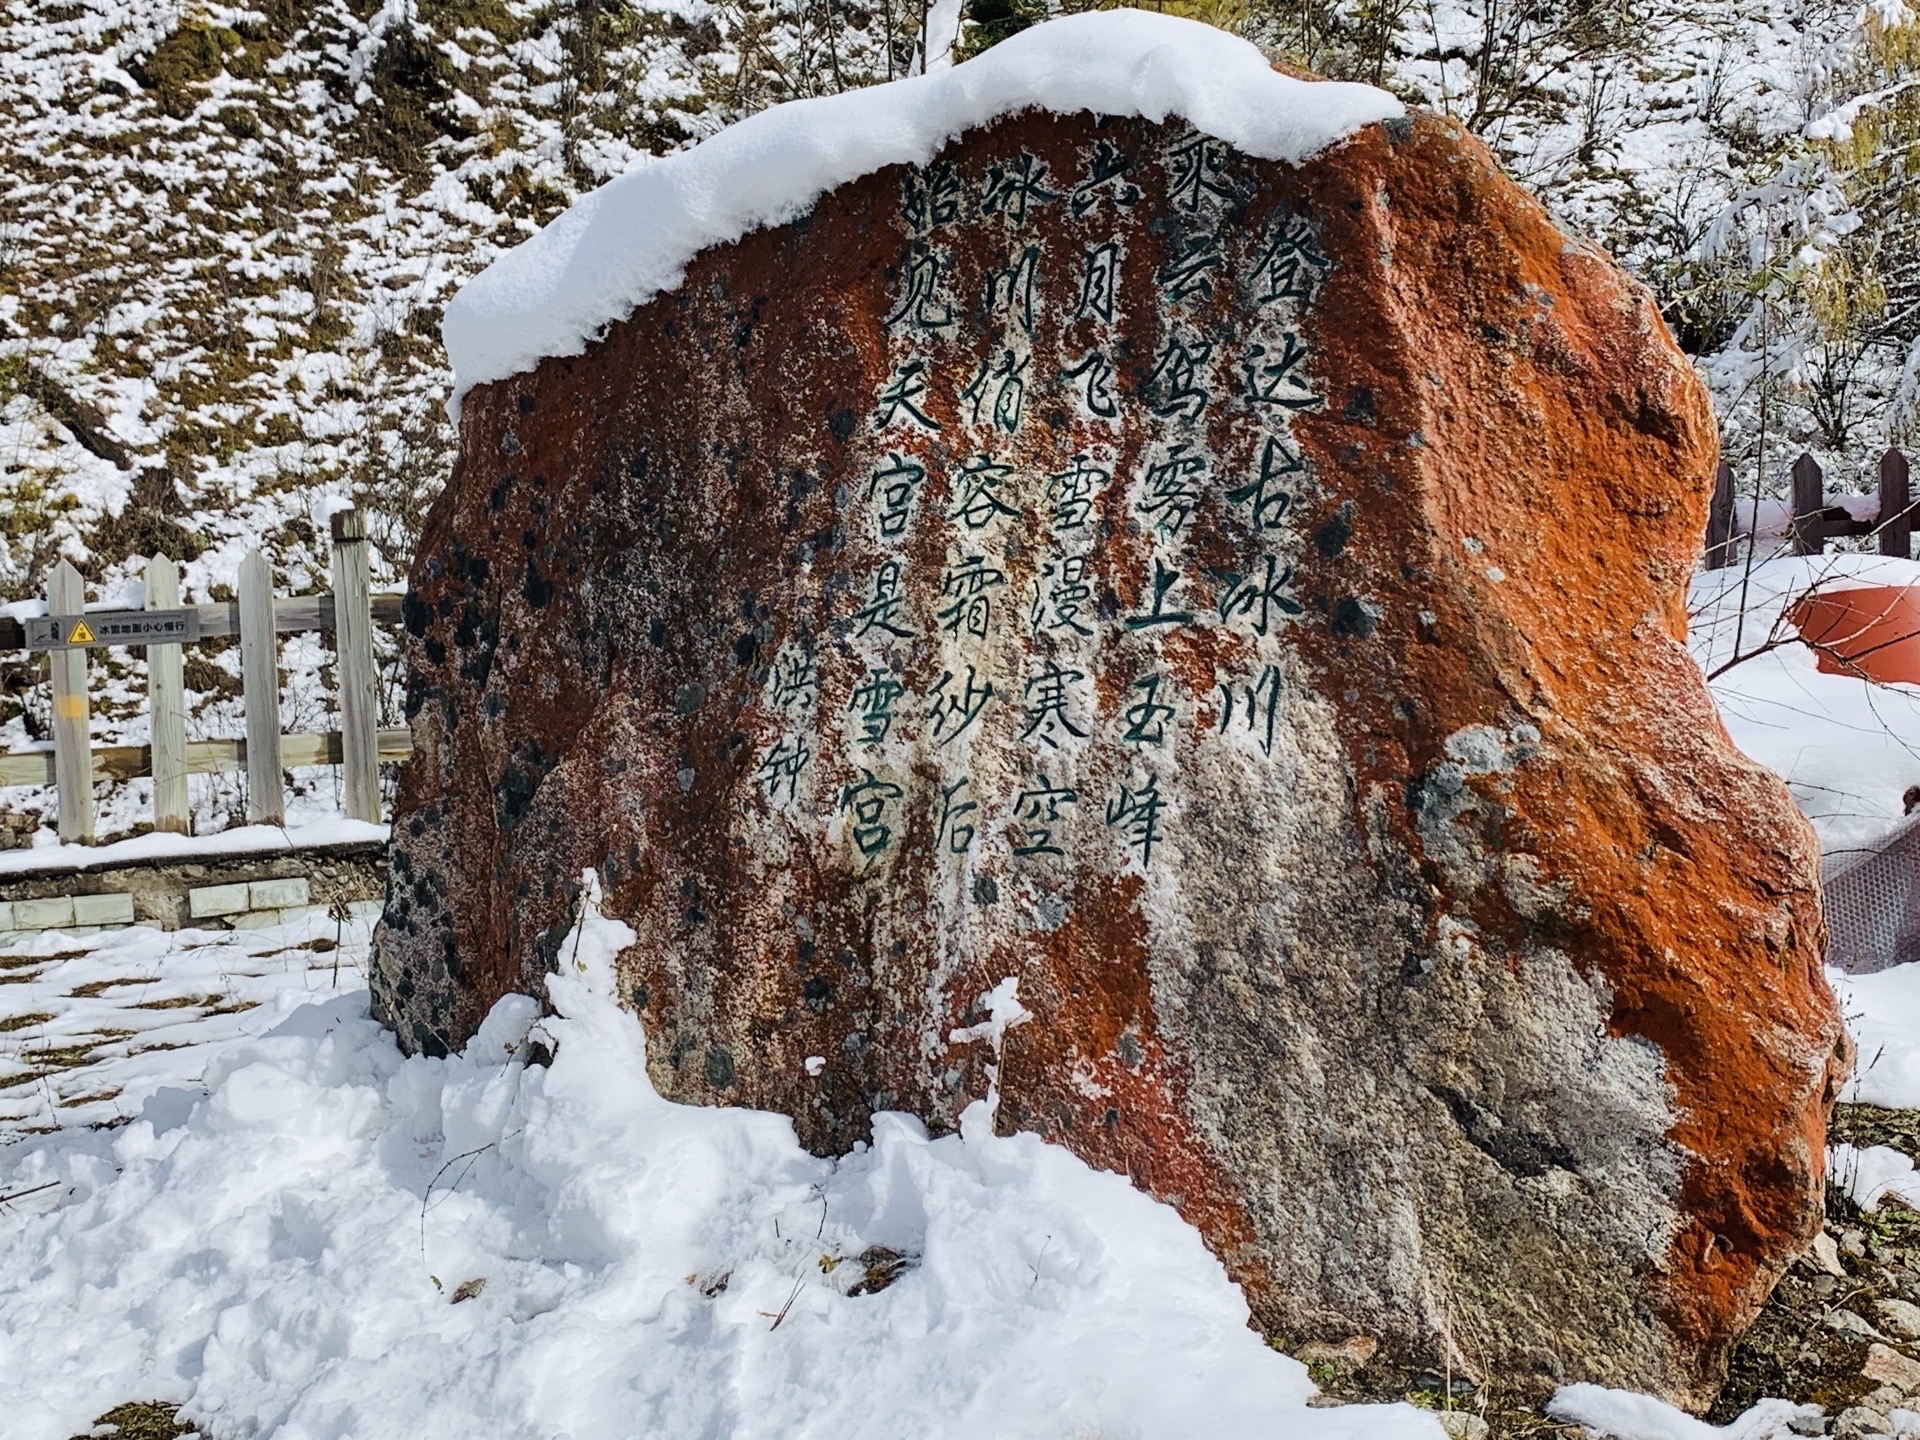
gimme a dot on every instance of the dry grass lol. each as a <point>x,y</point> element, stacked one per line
<point>144,1420</point>
<point>55,1058</point>
<point>97,1097</point>
<point>20,962</point>
<point>93,990</point>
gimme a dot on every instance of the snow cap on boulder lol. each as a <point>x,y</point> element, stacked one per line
<point>617,248</point>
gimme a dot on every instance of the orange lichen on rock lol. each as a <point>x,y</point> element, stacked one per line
<point>1244,604</point>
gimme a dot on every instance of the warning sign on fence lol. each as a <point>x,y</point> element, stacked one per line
<point>113,627</point>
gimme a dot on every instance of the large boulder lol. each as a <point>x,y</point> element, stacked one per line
<point>1238,601</point>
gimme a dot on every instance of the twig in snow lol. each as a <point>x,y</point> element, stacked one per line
<point>786,1307</point>
<point>31,1190</point>
<point>471,1157</point>
<point>1035,1268</point>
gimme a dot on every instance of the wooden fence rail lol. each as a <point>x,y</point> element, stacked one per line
<point>203,757</point>
<point>259,618</point>
<point>1811,520</point>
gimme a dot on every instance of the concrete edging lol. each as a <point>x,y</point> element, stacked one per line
<point>239,891</point>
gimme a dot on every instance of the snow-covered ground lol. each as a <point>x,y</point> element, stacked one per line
<point>1883,1014</point>
<point>1848,749</point>
<point>91,1029</point>
<point>221,1185</point>
<point>297,1233</point>
<point>50,854</point>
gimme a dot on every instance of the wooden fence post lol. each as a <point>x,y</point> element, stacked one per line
<point>353,649</point>
<point>72,729</point>
<point>260,692</point>
<point>1896,521</point>
<point>167,706</point>
<point>1808,529</point>
<point>1720,519</point>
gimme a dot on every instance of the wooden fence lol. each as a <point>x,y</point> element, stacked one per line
<point>259,618</point>
<point>1811,520</point>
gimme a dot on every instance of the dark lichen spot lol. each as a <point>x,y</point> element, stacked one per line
<point>1355,617</point>
<point>985,890</point>
<point>719,1069</point>
<point>537,590</point>
<point>516,796</point>
<point>1514,1148</point>
<point>841,422</point>
<point>1331,538</point>
<point>483,640</point>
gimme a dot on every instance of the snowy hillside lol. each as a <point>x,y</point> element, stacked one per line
<point>227,236</point>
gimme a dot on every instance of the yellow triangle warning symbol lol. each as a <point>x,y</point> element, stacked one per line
<point>81,634</point>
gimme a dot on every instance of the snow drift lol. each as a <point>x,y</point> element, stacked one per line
<point>336,1242</point>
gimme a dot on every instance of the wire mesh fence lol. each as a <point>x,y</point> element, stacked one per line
<point>1873,903</point>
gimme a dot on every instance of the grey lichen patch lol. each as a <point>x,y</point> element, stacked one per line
<point>1459,823</point>
<point>1532,896</point>
<point>1486,749</point>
